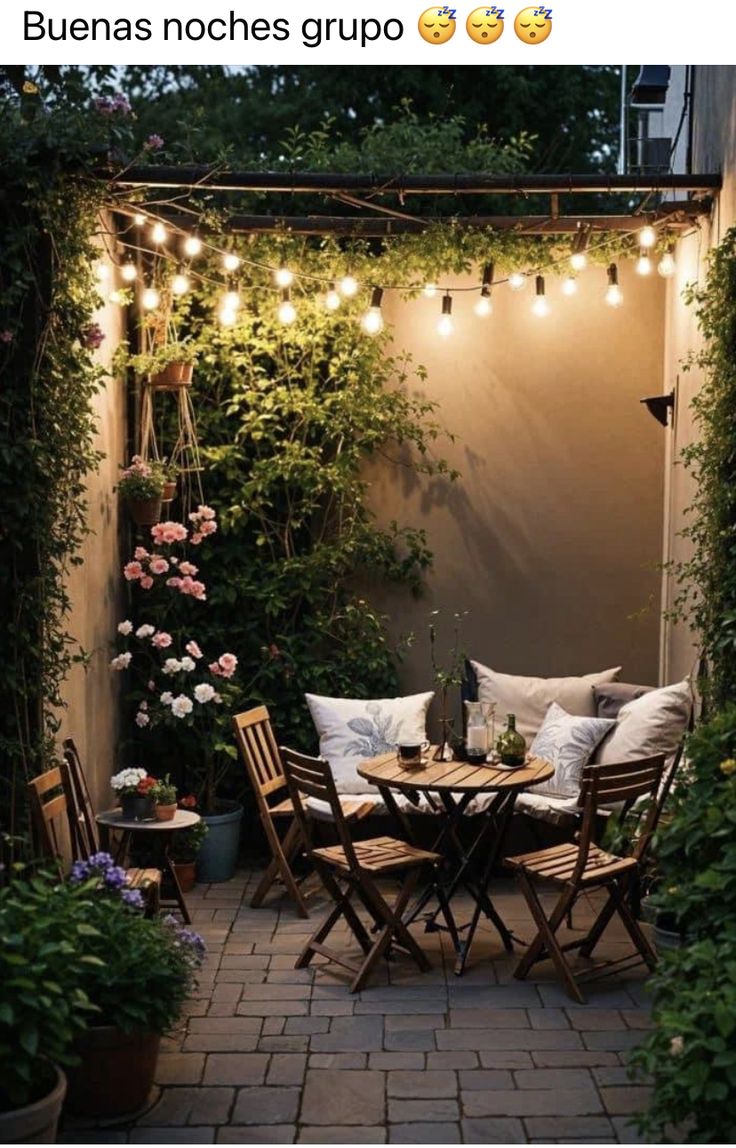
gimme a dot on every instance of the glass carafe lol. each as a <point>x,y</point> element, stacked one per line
<point>476,733</point>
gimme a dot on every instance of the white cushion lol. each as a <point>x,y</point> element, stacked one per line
<point>545,807</point>
<point>530,698</point>
<point>567,742</point>
<point>654,723</point>
<point>351,731</point>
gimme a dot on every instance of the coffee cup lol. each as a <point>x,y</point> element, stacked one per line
<point>410,753</point>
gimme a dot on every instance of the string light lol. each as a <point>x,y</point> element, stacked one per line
<point>372,321</point>
<point>284,277</point>
<point>569,285</point>
<point>139,220</point>
<point>230,261</point>
<point>150,299</point>
<point>227,316</point>
<point>643,263</point>
<point>484,306</point>
<point>180,284</point>
<point>231,301</point>
<point>517,281</point>
<point>158,233</point>
<point>287,310</point>
<point>578,258</point>
<point>349,286</point>
<point>129,272</point>
<point>192,245</point>
<point>614,294</point>
<point>332,299</point>
<point>102,271</point>
<point>116,297</point>
<point>647,236</point>
<point>540,306</point>
<point>667,266</point>
<point>429,291</point>
<point>445,325</point>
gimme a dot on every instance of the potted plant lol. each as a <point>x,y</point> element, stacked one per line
<point>163,794</point>
<point>137,973</point>
<point>168,366</point>
<point>134,788</point>
<point>185,846</point>
<point>171,475</point>
<point>43,1007</point>
<point>142,486</point>
<point>182,698</point>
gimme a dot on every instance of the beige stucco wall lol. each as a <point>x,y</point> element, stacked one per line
<point>714,150</point>
<point>91,713</point>
<point>552,537</point>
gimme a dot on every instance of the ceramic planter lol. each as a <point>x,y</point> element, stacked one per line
<point>172,377</point>
<point>218,856</point>
<point>169,492</point>
<point>115,1072</point>
<point>35,1123</point>
<point>185,874</point>
<point>136,807</point>
<point>145,511</point>
<point>165,812</point>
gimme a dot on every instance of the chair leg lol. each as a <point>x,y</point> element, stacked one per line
<point>341,908</point>
<point>546,941</point>
<point>393,927</point>
<point>282,852</point>
<point>634,929</point>
<point>598,927</point>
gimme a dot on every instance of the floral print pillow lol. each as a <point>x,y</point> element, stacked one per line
<point>567,743</point>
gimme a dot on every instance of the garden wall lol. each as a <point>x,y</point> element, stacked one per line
<point>552,537</point>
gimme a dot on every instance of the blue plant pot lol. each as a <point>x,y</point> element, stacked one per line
<point>218,856</point>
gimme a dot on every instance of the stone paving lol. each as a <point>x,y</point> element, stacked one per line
<point>270,1054</point>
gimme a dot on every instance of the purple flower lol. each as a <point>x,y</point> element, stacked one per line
<point>92,336</point>
<point>154,143</point>
<point>115,878</point>
<point>109,107</point>
<point>133,898</point>
<point>6,336</point>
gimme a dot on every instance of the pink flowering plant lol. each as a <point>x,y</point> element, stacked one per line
<point>177,687</point>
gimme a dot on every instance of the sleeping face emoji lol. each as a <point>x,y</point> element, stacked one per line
<point>533,25</point>
<point>485,25</point>
<point>437,25</point>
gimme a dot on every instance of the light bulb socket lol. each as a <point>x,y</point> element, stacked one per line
<point>580,242</point>
<point>447,304</point>
<point>286,294</point>
<point>612,275</point>
<point>376,297</point>
<point>487,281</point>
<point>540,286</point>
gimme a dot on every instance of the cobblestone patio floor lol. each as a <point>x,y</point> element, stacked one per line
<point>269,1054</point>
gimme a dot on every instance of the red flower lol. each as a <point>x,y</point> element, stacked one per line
<point>145,785</point>
<point>188,802</point>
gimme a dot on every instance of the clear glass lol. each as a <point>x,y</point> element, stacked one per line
<point>476,732</point>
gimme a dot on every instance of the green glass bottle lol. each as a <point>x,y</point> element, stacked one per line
<point>511,746</point>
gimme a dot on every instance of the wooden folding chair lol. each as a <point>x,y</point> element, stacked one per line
<point>356,865</point>
<point>260,753</point>
<point>57,824</point>
<point>80,805</point>
<point>582,866</point>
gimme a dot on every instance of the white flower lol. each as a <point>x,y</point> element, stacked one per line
<point>127,779</point>
<point>187,664</point>
<point>181,706</point>
<point>121,662</point>
<point>141,718</point>
<point>144,631</point>
<point>677,1046</point>
<point>166,698</point>
<point>204,692</point>
<point>171,666</point>
<point>125,628</point>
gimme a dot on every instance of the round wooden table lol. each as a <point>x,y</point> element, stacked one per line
<point>159,833</point>
<point>448,787</point>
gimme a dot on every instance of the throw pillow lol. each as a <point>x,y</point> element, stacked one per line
<point>653,723</point>
<point>530,698</point>
<point>567,742</point>
<point>610,697</point>
<point>351,731</point>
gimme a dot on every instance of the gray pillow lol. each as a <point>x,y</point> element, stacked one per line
<point>611,696</point>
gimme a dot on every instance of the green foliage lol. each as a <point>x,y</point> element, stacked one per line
<point>43,1005</point>
<point>186,844</point>
<point>142,480</point>
<point>164,791</point>
<point>707,597</point>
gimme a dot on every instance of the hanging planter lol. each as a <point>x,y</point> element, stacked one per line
<point>172,377</point>
<point>145,511</point>
<point>142,486</point>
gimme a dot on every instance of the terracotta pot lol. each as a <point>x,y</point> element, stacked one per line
<point>165,812</point>
<point>169,493</point>
<point>115,1072</point>
<point>173,376</point>
<point>35,1123</point>
<point>145,511</point>
<point>185,874</point>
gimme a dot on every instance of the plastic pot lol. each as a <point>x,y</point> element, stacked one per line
<point>185,874</point>
<point>218,856</point>
<point>173,376</point>
<point>136,807</point>
<point>35,1123</point>
<point>145,511</point>
<point>115,1072</point>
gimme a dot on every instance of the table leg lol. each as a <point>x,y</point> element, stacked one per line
<point>178,894</point>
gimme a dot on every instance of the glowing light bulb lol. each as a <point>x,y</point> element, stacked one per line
<point>231,301</point>
<point>614,294</point>
<point>116,297</point>
<point>180,285</point>
<point>332,300</point>
<point>578,260</point>
<point>348,286</point>
<point>102,271</point>
<point>284,277</point>
<point>287,312</point>
<point>483,307</point>
<point>643,264</point>
<point>569,285</point>
<point>647,237</point>
<point>517,281</point>
<point>129,272</point>
<point>445,325</point>
<point>430,291</point>
<point>139,220</point>
<point>158,233</point>
<point>667,266</point>
<point>227,317</point>
<point>540,306</point>
<point>372,321</point>
<point>230,261</point>
<point>192,245</point>
<point>150,299</point>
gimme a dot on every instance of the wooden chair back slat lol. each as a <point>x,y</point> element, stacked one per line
<point>312,777</point>
<point>601,784</point>
<point>82,813</point>
<point>259,751</point>
<point>51,816</point>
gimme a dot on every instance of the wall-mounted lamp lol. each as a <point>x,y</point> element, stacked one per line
<point>659,406</point>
